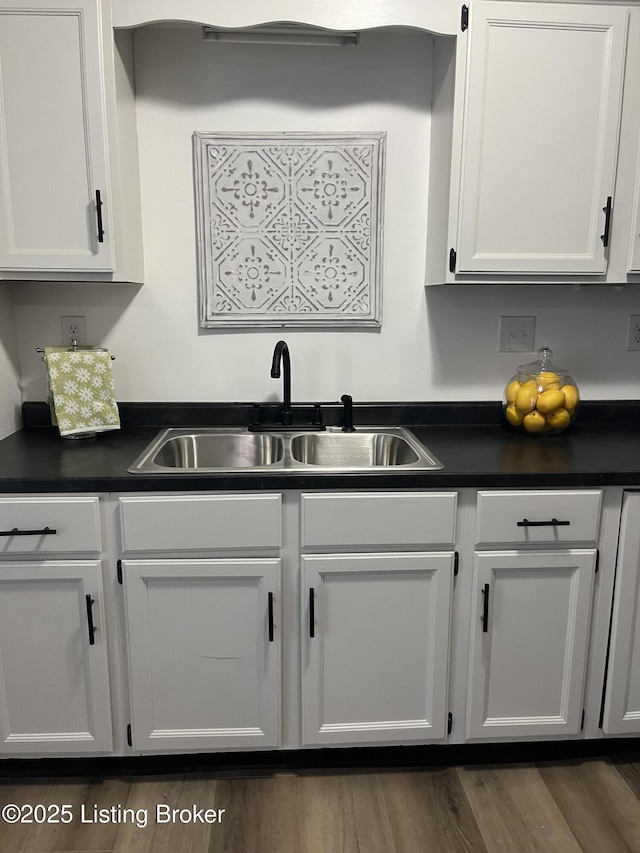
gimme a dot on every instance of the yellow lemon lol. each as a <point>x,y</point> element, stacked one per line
<point>558,419</point>
<point>550,400</point>
<point>526,397</point>
<point>547,379</point>
<point>571,396</point>
<point>513,415</point>
<point>511,390</point>
<point>534,422</point>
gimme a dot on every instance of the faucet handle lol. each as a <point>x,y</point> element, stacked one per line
<point>347,401</point>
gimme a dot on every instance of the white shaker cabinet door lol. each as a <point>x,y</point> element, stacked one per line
<point>54,677</point>
<point>54,189</point>
<point>622,696</point>
<point>375,647</point>
<point>540,134</point>
<point>204,652</point>
<point>530,616</point>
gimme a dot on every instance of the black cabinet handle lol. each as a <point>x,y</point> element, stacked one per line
<point>270,599</point>
<point>45,531</point>
<point>312,613</point>
<point>90,625</point>
<point>99,216</point>
<point>553,522</point>
<point>607,222</point>
<point>485,609</point>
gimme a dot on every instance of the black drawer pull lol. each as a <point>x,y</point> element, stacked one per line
<point>90,625</point>
<point>552,523</point>
<point>99,216</point>
<point>270,599</point>
<point>485,609</point>
<point>312,613</point>
<point>46,531</point>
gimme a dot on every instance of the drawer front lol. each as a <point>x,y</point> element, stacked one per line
<point>50,525</point>
<point>540,517</point>
<point>378,519</point>
<point>200,522</point>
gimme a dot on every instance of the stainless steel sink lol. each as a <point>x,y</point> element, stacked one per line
<point>215,450</point>
<point>353,450</point>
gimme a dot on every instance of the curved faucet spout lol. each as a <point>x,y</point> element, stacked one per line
<point>281,355</point>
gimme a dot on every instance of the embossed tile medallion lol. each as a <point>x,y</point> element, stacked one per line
<point>289,228</point>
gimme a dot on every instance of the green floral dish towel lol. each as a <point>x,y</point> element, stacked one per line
<point>82,396</point>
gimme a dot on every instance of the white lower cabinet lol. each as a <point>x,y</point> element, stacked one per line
<point>622,696</point>
<point>375,647</point>
<point>204,652</point>
<point>54,678</point>
<point>531,613</point>
<point>54,674</point>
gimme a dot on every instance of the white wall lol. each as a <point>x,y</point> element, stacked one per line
<point>10,391</point>
<point>435,344</point>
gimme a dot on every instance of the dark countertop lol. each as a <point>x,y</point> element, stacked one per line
<point>477,448</point>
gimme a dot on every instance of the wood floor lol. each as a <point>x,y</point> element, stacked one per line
<point>591,806</point>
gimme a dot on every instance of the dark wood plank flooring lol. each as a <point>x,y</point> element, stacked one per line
<point>591,806</point>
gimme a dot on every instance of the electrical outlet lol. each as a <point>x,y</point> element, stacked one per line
<point>633,332</point>
<point>517,334</point>
<point>74,329</point>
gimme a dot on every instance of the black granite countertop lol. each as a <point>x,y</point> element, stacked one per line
<point>473,442</point>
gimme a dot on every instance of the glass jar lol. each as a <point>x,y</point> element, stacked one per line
<point>541,399</point>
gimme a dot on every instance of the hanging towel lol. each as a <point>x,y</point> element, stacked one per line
<point>81,390</point>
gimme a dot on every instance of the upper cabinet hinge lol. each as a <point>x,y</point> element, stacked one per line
<point>452,260</point>
<point>129,735</point>
<point>464,18</point>
<point>119,571</point>
<point>449,723</point>
<point>456,564</point>
<point>597,562</point>
<point>582,720</point>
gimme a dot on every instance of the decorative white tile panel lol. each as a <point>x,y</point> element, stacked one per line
<point>289,228</point>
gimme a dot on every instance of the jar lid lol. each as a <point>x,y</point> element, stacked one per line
<point>544,363</point>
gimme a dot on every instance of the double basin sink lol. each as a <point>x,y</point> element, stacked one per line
<point>224,450</point>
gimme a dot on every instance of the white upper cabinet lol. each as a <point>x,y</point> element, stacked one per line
<point>60,152</point>
<point>537,140</point>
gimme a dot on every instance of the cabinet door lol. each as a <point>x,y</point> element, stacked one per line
<point>622,696</point>
<point>54,678</point>
<point>540,133</point>
<point>53,153</point>
<point>375,647</point>
<point>204,646</point>
<point>531,614</point>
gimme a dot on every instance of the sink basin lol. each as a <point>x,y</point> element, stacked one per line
<point>352,450</point>
<point>210,450</point>
<point>215,450</point>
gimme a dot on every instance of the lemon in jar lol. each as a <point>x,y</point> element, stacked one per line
<point>513,415</point>
<point>558,419</point>
<point>534,421</point>
<point>547,380</point>
<point>571,396</point>
<point>526,397</point>
<point>511,390</point>
<point>550,400</point>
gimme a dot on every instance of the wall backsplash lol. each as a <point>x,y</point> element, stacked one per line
<point>438,343</point>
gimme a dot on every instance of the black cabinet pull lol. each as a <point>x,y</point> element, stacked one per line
<point>485,609</point>
<point>99,216</point>
<point>45,531</point>
<point>607,222</point>
<point>90,625</point>
<point>270,599</point>
<point>553,522</point>
<point>312,613</point>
